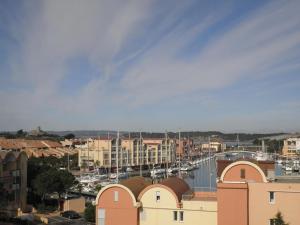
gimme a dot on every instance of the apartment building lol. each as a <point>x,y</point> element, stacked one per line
<point>105,152</point>
<point>170,202</point>
<point>291,147</point>
<point>13,182</point>
<point>247,197</point>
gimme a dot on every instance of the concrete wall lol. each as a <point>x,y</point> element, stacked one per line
<point>287,201</point>
<point>76,204</point>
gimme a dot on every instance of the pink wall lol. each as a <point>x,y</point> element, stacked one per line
<point>121,212</point>
<point>251,174</point>
<point>232,204</point>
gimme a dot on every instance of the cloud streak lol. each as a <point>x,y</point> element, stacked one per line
<point>143,54</point>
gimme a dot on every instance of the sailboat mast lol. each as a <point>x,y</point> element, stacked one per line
<point>141,174</point>
<point>209,169</point>
<point>117,158</point>
<point>179,145</point>
<point>166,148</point>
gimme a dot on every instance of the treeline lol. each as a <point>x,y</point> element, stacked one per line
<point>45,136</point>
<point>198,134</point>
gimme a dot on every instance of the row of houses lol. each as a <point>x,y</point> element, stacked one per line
<point>36,148</point>
<point>245,195</point>
<point>105,152</point>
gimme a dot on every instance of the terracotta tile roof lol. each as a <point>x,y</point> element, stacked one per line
<point>11,144</point>
<point>179,186</point>
<point>136,185</point>
<point>34,144</point>
<point>52,144</point>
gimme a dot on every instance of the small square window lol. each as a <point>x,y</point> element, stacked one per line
<point>175,217</point>
<point>157,194</point>
<point>116,196</point>
<point>271,197</point>
<point>181,216</point>
<point>243,174</point>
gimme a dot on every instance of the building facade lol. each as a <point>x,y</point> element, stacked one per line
<point>117,203</point>
<point>13,182</point>
<point>129,152</point>
<point>173,202</point>
<point>291,147</point>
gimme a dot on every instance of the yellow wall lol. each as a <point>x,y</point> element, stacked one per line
<point>161,213</point>
<point>158,212</point>
<point>287,201</point>
<point>197,210</point>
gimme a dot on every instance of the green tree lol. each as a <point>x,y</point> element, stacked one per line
<point>51,181</point>
<point>3,196</point>
<point>69,136</point>
<point>278,220</point>
<point>89,212</point>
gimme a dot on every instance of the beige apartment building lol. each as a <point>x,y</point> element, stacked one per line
<point>291,147</point>
<point>105,152</point>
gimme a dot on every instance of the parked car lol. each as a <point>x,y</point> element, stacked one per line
<point>70,214</point>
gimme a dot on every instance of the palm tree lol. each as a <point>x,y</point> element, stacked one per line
<point>278,220</point>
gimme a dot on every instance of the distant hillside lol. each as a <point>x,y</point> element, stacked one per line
<point>191,134</point>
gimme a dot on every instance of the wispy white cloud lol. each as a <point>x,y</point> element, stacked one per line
<point>139,50</point>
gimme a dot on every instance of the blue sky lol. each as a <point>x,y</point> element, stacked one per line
<point>153,65</point>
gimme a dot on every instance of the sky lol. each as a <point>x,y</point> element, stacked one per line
<point>231,66</point>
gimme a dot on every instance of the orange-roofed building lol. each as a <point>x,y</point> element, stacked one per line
<point>117,203</point>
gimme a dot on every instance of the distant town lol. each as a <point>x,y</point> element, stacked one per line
<point>174,176</point>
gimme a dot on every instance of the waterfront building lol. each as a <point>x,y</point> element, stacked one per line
<point>246,196</point>
<point>291,147</point>
<point>13,182</point>
<point>118,203</point>
<point>185,147</point>
<point>214,145</point>
<point>104,152</point>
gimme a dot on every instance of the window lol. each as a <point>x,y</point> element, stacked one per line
<point>142,214</point>
<point>101,216</point>
<point>175,217</point>
<point>271,197</point>
<point>157,194</point>
<point>181,216</point>
<point>116,196</point>
<point>243,174</point>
